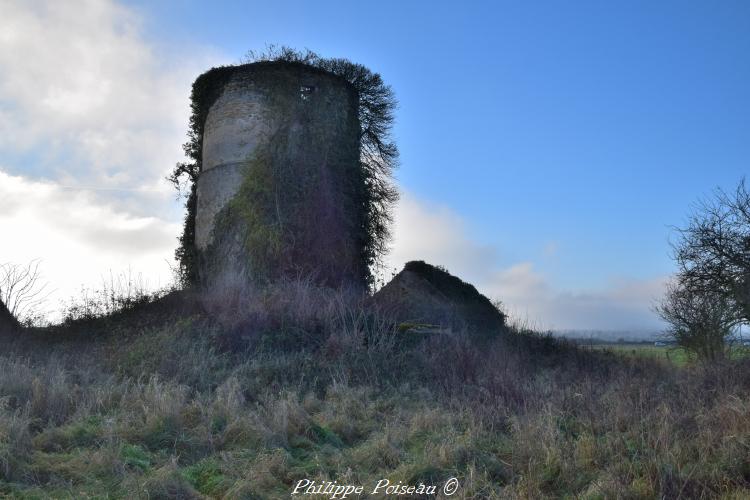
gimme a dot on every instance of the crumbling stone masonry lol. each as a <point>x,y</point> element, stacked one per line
<point>280,185</point>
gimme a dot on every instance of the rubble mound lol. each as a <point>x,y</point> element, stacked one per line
<point>423,296</point>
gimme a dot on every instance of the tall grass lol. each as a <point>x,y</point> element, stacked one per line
<point>256,389</point>
<point>118,293</point>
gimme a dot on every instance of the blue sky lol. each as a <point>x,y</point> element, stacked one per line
<point>556,140</point>
<point>593,126</point>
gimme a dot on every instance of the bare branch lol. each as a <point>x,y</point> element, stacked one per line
<point>22,290</point>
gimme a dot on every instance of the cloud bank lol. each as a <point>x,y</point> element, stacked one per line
<point>87,98</point>
<point>436,234</point>
<point>92,118</point>
<point>79,238</point>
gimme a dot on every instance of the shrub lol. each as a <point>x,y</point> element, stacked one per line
<point>700,321</point>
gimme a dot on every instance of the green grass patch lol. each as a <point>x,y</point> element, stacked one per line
<point>135,457</point>
<point>671,354</point>
<point>207,477</point>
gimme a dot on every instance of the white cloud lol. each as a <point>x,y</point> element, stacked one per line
<point>623,305</point>
<point>438,235</point>
<point>92,100</point>
<point>78,238</point>
<point>433,232</point>
<point>92,117</point>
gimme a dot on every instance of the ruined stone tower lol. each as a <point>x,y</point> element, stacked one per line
<point>280,182</point>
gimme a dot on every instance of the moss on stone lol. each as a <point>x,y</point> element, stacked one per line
<point>366,187</point>
<point>298,207</point>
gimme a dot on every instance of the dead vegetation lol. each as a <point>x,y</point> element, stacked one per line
<point>249,391</point>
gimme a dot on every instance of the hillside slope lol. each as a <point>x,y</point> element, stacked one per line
<point>251,391</point>
<point>8,324</point>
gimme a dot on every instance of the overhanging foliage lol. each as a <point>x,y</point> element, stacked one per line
<point>378,151</point>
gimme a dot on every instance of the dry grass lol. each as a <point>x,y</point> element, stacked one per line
<point>297,382</point>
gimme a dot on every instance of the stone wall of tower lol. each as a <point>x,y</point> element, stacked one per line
<point>280,183</point>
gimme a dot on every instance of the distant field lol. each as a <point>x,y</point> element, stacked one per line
<point>672,354</point>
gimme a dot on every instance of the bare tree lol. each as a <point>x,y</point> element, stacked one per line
<point>713,251</point>
<point>699,321</point>
<point>22,290</point>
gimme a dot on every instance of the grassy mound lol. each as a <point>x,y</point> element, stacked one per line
<point>425,294</point>
<point>251,391</point>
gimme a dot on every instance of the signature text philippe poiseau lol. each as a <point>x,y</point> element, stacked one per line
<point>334,490</point>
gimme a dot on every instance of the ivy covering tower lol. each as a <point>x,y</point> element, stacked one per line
<point>290,171</point>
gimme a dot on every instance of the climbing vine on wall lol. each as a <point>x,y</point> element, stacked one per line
<point>378,151</point>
